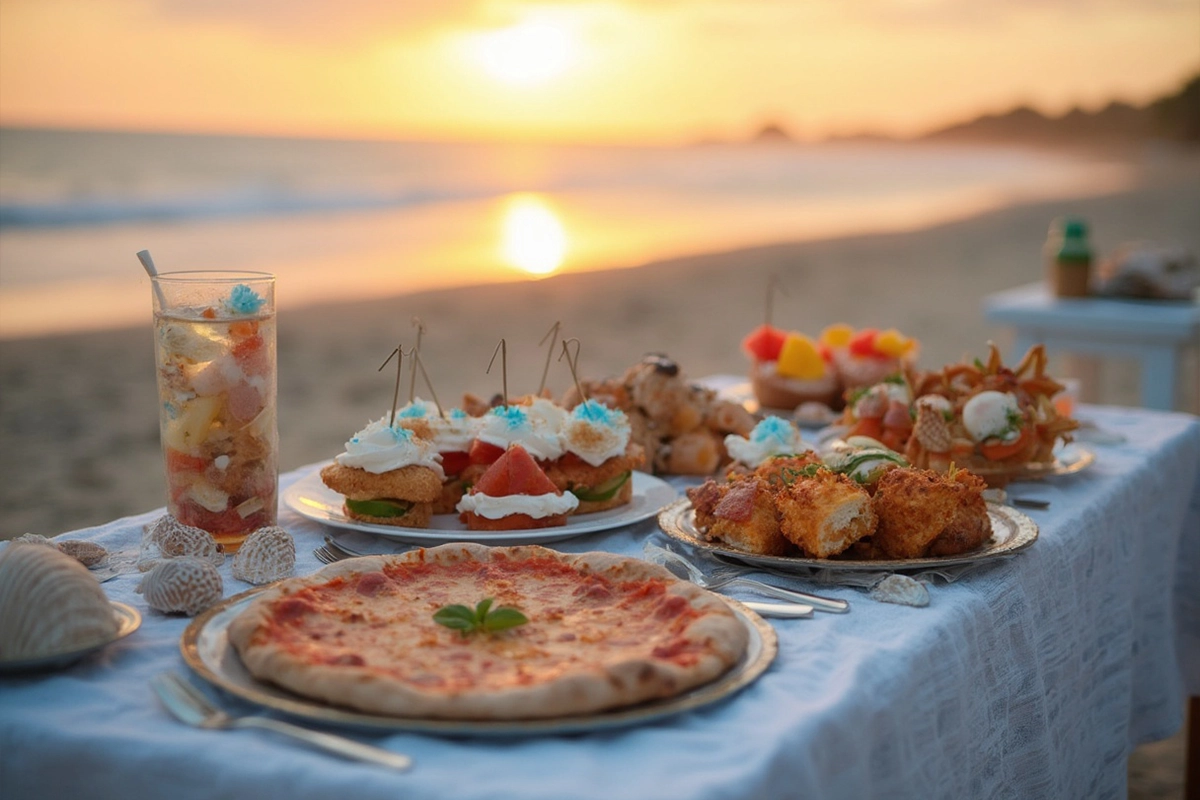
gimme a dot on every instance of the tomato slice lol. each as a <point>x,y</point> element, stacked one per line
<point>998,450</point>
<point>863,342</point>
<point>484,453</point>
<point>182,462</point>
<point>454,463</point>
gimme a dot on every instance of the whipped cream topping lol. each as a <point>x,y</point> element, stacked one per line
<point>537,506</point>
<point>861,458</point>
<point>596,433</point>
<point>450,434</point>
<point>774,436</point>
<point>508,425</point>
<point>380,448</point>
<point>992,414</point>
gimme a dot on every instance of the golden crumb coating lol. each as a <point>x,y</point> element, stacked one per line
<point>825,514</point>
<point>412,483</point>
<point>926,513</point>
<point>741,514</point>
<point>780,471</point>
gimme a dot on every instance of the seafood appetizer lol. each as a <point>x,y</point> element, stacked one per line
<point>857,501</point>
<point>680,426</point>
<point>982,416</point>
<point>514,493</point>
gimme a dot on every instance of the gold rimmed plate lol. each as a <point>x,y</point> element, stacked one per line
<point>1012,532</point>
<point>207,651</point>
<point>128,620</point>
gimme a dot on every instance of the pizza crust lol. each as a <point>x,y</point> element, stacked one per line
<point>605,632</point>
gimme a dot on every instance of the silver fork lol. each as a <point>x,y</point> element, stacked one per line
<point>685,569</point>
<point>189,706</point>
<point>326,554</point>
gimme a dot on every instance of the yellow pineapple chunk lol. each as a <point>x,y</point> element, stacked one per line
<point>838,335</point>
<point>187,431</point>
<point>893,343</point>
<point>800,359</point>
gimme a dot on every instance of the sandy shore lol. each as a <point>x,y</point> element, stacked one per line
<point>79,412</point>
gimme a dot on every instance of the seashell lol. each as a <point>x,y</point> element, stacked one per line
<point>186,585</point>
<point>87,553</point>
<point>33,538</point>
<point>267,555</point>
<point>902,590</point>
<point>49,604</point>
<point>167,538</point>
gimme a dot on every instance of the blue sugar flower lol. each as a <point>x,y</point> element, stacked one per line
<point>411,412</point>
<point>513,415</point>
<point>457,414</point>
<point>401,434</point>
<point>596,413</point>
<point>244,300</point>
<point>772,429</point>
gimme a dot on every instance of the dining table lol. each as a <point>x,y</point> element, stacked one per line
<point>1033,674</point>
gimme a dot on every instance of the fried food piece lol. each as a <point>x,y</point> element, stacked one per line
<point>413,484</point>
<point>741,514</point>
<point>783,470</point>
<point>824,514</point>
<point>925,513</point>
<point>572,474</point>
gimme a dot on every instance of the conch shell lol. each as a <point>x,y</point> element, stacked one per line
<point>49,604</point>
<point>267,555</point>
<point>168,538</point>
<point>184,585</point>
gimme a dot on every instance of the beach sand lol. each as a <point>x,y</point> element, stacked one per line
<point>78,419</point>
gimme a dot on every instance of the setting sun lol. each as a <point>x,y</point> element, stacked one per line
<point>534,238</point>
<point>526,54</point>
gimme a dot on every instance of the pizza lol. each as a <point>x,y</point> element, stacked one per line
<point>601,632</point>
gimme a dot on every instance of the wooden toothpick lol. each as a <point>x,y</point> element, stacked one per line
<point>573,363</point>
<point>399,353</point>
<point>773,285</point>
<point>552,335</point>
<point>502,349</point>
<point>412,376</point>
<point>428,383</point>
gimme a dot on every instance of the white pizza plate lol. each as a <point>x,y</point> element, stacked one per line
<point>128,620</point>
<point>311,498</point>
<point>207,651</point>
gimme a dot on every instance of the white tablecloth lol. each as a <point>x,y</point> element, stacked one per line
<point>1032,677</point>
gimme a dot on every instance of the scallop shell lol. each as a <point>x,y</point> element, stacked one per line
<point>902,590</point>
<point>186,585</point>
<point>168,538</point>
<point>87,553</point>
<point>34,538</point>
<point>49,604</point>
<point>267,555</point>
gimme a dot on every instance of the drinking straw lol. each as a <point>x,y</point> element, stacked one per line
<point>148,264</point>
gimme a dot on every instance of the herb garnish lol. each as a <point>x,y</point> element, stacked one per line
<point>461,618</point>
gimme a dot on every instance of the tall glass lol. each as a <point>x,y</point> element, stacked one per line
<point>214,346</point>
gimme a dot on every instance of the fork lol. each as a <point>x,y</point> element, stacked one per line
<point>326,553</point>
<point>684,568</point>
<point>188,705</point>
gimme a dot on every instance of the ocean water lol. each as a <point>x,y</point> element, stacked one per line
<point>337,220</point>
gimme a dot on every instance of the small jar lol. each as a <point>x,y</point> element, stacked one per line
<point>1069,258</point>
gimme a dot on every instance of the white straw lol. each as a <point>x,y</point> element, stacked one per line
<point>148,264</point>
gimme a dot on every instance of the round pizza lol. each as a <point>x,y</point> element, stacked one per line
<point>465,631</point>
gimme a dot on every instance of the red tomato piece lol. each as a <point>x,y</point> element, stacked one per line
<point>863,342</point>
<point>997,450</point>
<point>182,462</point>
<point>515,472</point>
<point>764,343</point>
<point>454,463</point>
<point>484,453</point>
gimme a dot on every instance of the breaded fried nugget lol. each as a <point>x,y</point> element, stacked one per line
<point>413,484</point>
<point>783,470</point>
<point>926,513</point>
<point>741,514</point>
<point>824,514</point>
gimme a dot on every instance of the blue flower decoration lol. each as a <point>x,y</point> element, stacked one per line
<point>244,300</point>
<point>411,412</point>
<point>772,429</point>
<point>401,434</point>
<point>513,415</point>
<point>457,414</point>
<point>596,413</point>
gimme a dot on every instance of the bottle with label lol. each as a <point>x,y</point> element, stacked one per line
<point>1069,258</point>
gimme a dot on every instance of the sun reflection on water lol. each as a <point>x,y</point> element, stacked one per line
<point>534,239</point>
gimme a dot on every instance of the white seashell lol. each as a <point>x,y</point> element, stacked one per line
<point>167,538</point>
<point>186,585</point>
<point>267,555</point>
<point>49,604</point>
<point>902,590</point>
<point>87,553</point>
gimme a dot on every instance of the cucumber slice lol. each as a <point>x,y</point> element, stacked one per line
<point>605,491</point>
<point>379,508</point>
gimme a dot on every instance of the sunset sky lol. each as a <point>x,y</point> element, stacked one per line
<point>658,71</point>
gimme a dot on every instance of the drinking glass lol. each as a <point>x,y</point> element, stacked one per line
<point>214,347</point>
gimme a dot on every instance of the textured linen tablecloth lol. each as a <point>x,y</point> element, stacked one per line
<point>1031,677</point>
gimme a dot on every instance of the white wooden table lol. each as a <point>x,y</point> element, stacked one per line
<point>1154,332</point>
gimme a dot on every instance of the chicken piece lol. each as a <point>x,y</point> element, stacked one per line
<point>741,514</point>
<point>925,513</point>
<point>825,514</point>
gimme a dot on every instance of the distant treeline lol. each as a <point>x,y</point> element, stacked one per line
<point>1175,117</point>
